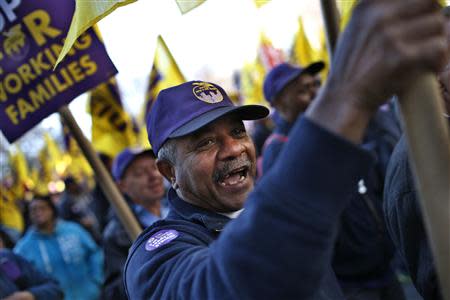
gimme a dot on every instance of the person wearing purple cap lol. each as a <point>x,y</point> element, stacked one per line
<point>289,89</point>
<point>137,177</point>
<point>279,246</point>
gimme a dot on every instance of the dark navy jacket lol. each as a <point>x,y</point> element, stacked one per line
<point>116,244</point>
<point>363,251</point>
<point>17,274</point>
<point>405,224</point>
<point>280,247</point>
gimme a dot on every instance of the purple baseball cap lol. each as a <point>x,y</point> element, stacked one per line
<point>125,158</point>
<point>283,74</point>
<point>185,108</point>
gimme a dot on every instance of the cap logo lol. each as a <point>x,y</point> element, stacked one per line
<point>207,92</point>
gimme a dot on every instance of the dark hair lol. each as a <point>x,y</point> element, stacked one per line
<point>167,151</point>
<point>48,200</point>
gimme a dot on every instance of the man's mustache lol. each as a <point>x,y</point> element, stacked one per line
<point>228,166</point>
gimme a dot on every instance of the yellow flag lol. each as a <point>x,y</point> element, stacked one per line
<point>260,3</point>
<point>322,55</point>
<point>345,9</point>
<point>87,13</point>
<point>188,5</point>
<point>252,74</point>
<point>20,170</point>
<point>251,83</point>
<point>77,165</point>
<point>112,127</point>
<point>165,73</point>
<point>10,213</point>
<point>45,172</point>
<point>302,53</point>
<point>55,155</point>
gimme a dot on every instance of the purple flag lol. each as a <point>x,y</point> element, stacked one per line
<point>32,35</point>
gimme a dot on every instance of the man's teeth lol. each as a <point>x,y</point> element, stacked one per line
<point>232,179</point>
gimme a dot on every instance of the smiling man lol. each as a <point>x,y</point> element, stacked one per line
<point>280,246</point>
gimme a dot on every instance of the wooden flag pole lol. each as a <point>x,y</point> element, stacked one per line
<point>331,18</point>
<point>116,199</point>
<point>429,150</point>
<point>429,147</point>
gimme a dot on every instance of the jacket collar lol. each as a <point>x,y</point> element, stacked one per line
<point>180,209</point>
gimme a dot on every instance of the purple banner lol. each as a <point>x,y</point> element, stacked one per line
<point>32,34</point>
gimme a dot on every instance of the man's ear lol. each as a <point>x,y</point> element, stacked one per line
<point>167,170</point>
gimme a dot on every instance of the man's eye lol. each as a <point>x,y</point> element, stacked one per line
<point>239,132</point>
<point>205,143</point>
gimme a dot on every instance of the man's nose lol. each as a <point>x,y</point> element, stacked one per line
<point>231,148</point>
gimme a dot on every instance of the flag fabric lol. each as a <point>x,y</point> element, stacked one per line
<point>268,55</point>
<point>19,166</point>
<point>252,74</point>
<point>54,151</point>
<point>31,44</point>
<point>345,9</point>
<point>302,53</point>
<point>260,3</point>
<point>10,213</point>
<point>87,13</point>
<point>77,165</point>
<point>45,173</point>
<point>52,166</point>
<point>186,6</point>
<point>322,55</point>
<point>251,83</point>
<point>112,127</point>
<point>164,73</point>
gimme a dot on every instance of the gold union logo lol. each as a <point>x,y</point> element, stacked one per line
<point>207,92</point>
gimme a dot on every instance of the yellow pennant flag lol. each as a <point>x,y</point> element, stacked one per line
<point>20,171</point>
<point>87,13</point>
<point>77,165</point>
<point>260,3</point>
<point>19,165</point>
<point>46,172</point>
<point>164,73</point>
<point>56,155</point>
<point>322,55</point>
<point>112,127</point>
<point>345,9</point>
<point>302,53</point>
<point>188,5</point>
<point>252,74</point>
<point>10,213</point>
<point>251,83</point>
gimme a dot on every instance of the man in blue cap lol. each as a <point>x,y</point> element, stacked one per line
<point>137,177</point>
<point>280,245</point>
<point>289,89</point>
